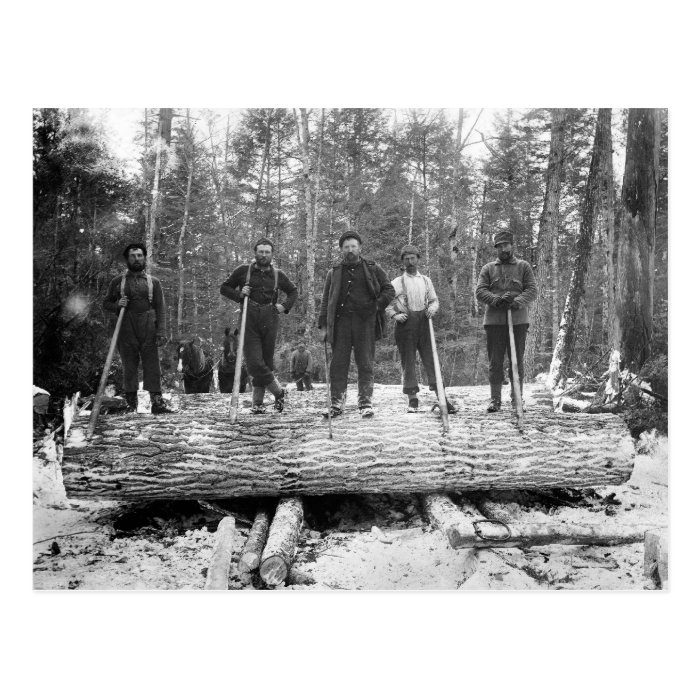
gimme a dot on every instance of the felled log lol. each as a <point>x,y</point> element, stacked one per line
<point>277,557</point>
<point>196,453</point>
<point>220,564</point>
<point>656,557</point>
<point>444,514</point>
<point>490,533</point>
<point>252,550</point>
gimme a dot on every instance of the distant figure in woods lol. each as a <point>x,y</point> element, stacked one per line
<point>301,365</point>
<point>227,368</point>
<point>506,283</point>
<point>415,302</point>
<point>355,296</point>
<point>143,328</point>
<point>261,282</point>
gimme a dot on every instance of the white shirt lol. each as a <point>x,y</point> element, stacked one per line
<point>419,288</point>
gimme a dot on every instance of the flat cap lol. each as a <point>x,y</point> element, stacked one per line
<point>504,236</point>
<point>349,234</point>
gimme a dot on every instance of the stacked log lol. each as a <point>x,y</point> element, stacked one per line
<point>278,555</point>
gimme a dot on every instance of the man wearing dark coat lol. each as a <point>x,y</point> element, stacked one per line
<point>261,282</point>
<point>143,328</point>
<point>227,368</point>
<point>355,296</point>
<point>506,283</point>
<point>301,365</point>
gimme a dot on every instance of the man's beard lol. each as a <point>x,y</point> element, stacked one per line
<point>351,257</point>
<point>503,256</point>
<point>262,262</point>
<point>411,269</point>
<point>136,266</point>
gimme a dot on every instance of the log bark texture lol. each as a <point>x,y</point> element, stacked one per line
<point>278,555</point>
<point>196,453</point>
<point>250,556</point>
<point>220,564</point>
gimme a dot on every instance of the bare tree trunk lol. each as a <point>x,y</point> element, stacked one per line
<point>634,302</point>
<point>303,141</point>
<point>183,229</point>
<point>311,300</point>
<point>566,338</point>
<point>548,227</point>
<point>150,238</point>
<point>452,241</point>
<point>263,164</point>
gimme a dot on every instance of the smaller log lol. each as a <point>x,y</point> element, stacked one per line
<point>220,564</point>
<point>656,557</point>
<point>444,514</point>
<point>250,556</point>
<point>277,557</point>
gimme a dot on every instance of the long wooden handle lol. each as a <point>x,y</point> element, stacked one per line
<point>235,391</point>
<point>442,399</point>
<point>328,390</point>
<point>516,373</point>
<point>105,374</point>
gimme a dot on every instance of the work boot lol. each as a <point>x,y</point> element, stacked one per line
<point>366,412</point>
<point>495,404</point>
<point>412,404</point>
<point>132,401</point>
<point>258,396</point>
<point>279,401</point>
<point>158,405</point>
<point>335,412</point>
<point>451,408</point>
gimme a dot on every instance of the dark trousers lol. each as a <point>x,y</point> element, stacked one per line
<point>353,332</point>
<point>259,343</point>
<point>411,336</point>
<point>303,381</point>
<point>137,343</point>
<point>498,343</point>
<point>226,381</point>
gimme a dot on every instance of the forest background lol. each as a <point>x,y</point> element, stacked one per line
<point>584,192</point>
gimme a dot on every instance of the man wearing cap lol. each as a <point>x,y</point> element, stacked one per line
<point>506,283</point>
<point>415,302</point>
<point>355,295</point>
<point>301,365</point>
<point>261,282</point>
<point>143,328</point>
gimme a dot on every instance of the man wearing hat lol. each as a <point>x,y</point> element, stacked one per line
<point>355,295</point>
<point>415,302</point>
<point>506,283</point>
<point>143,327</point>
<point>261,282</point>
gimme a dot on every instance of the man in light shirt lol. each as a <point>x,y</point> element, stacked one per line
<point>414,304</point>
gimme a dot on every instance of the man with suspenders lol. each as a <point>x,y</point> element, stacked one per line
<point>414,304</point>
<point>260,281</point>
<point>143,328</point>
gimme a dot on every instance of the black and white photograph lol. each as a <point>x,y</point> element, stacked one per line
<point>340,349</point>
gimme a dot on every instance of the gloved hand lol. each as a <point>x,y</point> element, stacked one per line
<point>497,301</point>
<point>400,318</point>
<point>507,298</point>
<point>515,305</point>
<point>430,312</point>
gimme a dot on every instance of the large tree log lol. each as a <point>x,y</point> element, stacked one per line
<point>277,557</point>
<point>220,564</point>
<point>250,556</point>
<point>197,454</point>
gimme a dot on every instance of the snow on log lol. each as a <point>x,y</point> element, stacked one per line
<point>250,556</point>
<point>196,453</point>
<point>445,515</point>
<point>220,564</point>
<point>277,557</point>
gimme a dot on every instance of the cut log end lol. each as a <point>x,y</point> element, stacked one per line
<point>273,571</point>
<point>248,562</point>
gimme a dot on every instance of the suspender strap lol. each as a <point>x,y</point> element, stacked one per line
<point>149,283</point>
<point>405,293</point>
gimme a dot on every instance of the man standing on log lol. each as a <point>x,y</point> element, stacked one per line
<point>301,366</point>
<point>227,368</point>
<point>506,283</point>
<point>415,302</point>
<point>355,296</point>
<point>143,327</point>
<point>261,282</point>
